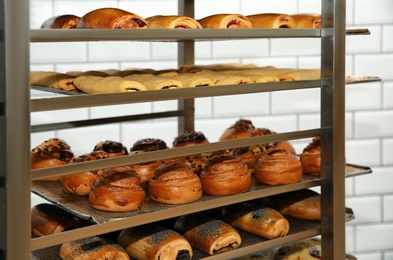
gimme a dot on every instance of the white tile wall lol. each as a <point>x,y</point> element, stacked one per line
<point>369,116</point>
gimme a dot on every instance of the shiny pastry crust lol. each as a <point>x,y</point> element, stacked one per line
<point>66,21</point>
<point>209,235</point>
<point>189,138</point>
<point>175,183</point>
<point>197,162</point>
<point>225,21</point>
<point>112,148</point>
<point>225,175</point>
<point>112,18</point>
<point>117,190</point>
<point>241,129</point>
<point>272,20</point>
<point>309,249</point>
<point>278,168</point>
<point>172,22</point>
<point>308,20</point>
<point>92,248</point>
<point>50,153</point>
<point>261,221</point>
<point>247,156</point>
<point>154,242</point>
<point>311,157</point>
<point>80,183</point>
<point>148,145</point>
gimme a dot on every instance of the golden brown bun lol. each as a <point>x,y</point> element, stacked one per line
<point>209,235</point>
<point>80,183</point>
<point>148,145</point>
<point>311,157</point>
<point>92,248</point>
<point>307,20</point>
<point>154,242</point>
<point>225,21</point>
<point>112,148</point>
<point>48,219</point>
<point>225,175</point>
<point>50,153</point>
<point>175,183</point>
<point>67,21</point>
<point>189,138</point>
<point>302,204</point>
<point>117,190</point>
<point>258,220</point>
<point>278,168</point>
<point>241,129</point>
<point>309,249</point>
<point>172,22</point>
<point>196,161</point>
<point>272,20</point>
<point>112,18</point>
<point>246,155</point>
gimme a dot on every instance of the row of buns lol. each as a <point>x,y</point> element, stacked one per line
<point>115,18</point>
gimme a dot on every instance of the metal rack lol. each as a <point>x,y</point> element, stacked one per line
<point>16,106</point>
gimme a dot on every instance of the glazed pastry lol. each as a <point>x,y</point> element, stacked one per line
<point>278,168</point>
<point>241,129</point>
<point>192,80</point>
<point>209,235</point>
<point>112,18</point>
<point>302,204</point>
<point>154,242</point>
<point>225,21</point>
<point>172,22</point>
<point>246,155</point>
<point>258,220</point>
<point>272,20</point>
<point>80,183</point>
<point>225,175</point>
<point>309,249</point>
<point>92,248</point>
<point>109,84</point>
<point>148,145</point>
<point>50,153</point>
<point>153,82</point>
<point>311,157</point>
<point>307,20</point>
<point>117,190</point>
<point>196,161</point>
<point>189,138</point>
<point>175,183</point>
<point>112,148</point>
<point>300,74</point>
<point>51,79</point>
<point>67,21</point>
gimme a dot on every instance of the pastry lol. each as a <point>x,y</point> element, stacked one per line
<point>225,175</point>
<point>148,145</point>
<point>192,80</point>
<point>191,68</point>
<point>309,249</point>
<point>225,21</point>
<point>117,190</point>
<point>112,148</point>
<point>80,183</point>
<point>175,183</point>
<point>153,82</point>
<point>189,138</point>
<point>311,157</point>
<point>246,155</point>
<point>219,78</point>
<point>258,220</point>
<point>278,168</point>
<point>109,84</point>
<point>154,242</point>
<point>300,74</point>
<point>50,153</point>
<point>66,21</point>
<point>196,161</point>
<point>51,79</point>
<point>272,20</point>
<point>77,73</point>
<point>92,248</point>
<point>307,20</point>
<point>172,22</point>
<point>210,235</point>
<point>241,129</point>
<point>112,18</point>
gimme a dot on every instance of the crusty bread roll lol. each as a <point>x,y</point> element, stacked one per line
<point>258,220</point>
<point>109,84</point>
<point>241,129</point>
<point>309,249</point>
<point>225,175</point>
<point>80,183</point>
<point>210,235</point>
<point>155,82</point>
<point>302,204</point>
<point>112,18</point>
<point>307,20</point>
<point>189,138</point>
<point>278,168</point>
<point>225,21</point>
<point>51,79</point>
<point>50,153</point>
<point>92,248</point>
<point>154,242</point>
<point>112,148</point>
<point>172,22</point>
<point>66,21</point>
<point>272,20</point>
<point>175,183</point>
<point>311,157</point>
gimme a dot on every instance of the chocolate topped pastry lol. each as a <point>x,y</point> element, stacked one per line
<point>242,128</point>
<point>112,148</point>
<point>189,138</point>
<point>148,145</point>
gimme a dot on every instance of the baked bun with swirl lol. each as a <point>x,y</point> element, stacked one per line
<point>112,148</point>
<point>189,138</point>
<point>241,129</point>
<point>311,157</point>
<point>66,21</point>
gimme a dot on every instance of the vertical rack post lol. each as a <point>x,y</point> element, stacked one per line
<point>333,129</point>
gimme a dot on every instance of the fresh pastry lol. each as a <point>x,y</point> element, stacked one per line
<point>77,73</point>
<point>172,22</point>
<point>189,138</point>
<point>80,183</point>
<point>196,161</point>
<point>192,80</point>
<point>154,242</point>
<point>92,248</point>
<point>66,21</point>
<point>50,153</point>
<point>300,74</point>
<point>311,157</point>
<point>272,20</point>
<point>309,249</point>
<point>302,204</point>
<point>219,78</point>
<point>191,68</point>
<point>112,18</point>
<point>278,168</point>
<point>118,190</point>
<point>148,145</point>
<point>153,82</point>
<point>246,155</point>
<point>112,148</point>
<point>307,20</point>
<point>225,21</point>
<point>241,129</point>
<point>109,84</point>
<point>175,183</point>
<point>51,79</point>
<point>225,175</point>
<point>210,235</point>
<point>258,220</point>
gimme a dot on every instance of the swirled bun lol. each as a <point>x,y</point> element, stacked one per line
<point>311,157</point>
<point>189,138</point>
<point>148,145</point>
<point>112,148</point>
<point>241,129</point>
